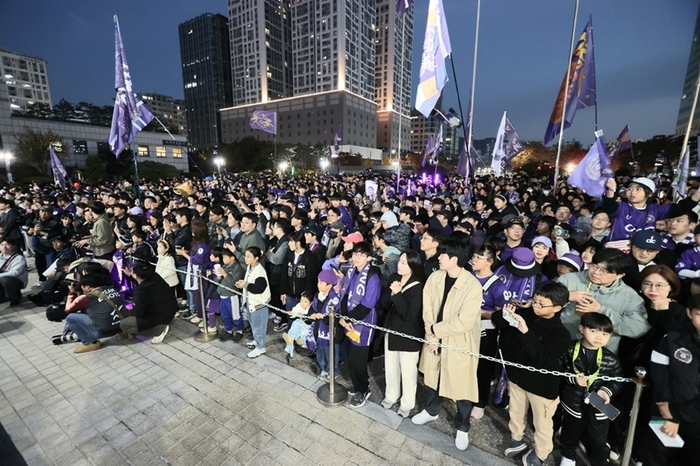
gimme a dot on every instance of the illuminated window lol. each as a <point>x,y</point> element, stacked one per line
<point>143,151</point>
<point>177,152</point>
<point>160,151</point>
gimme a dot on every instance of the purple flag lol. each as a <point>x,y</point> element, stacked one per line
<point>515,144</point>
<point>623,142</point>
<point>59,172</point>
<point>580,91</point>
<point>430,147</point>
<point>498,154</point>
<point>264,121</point>
<point>403,5</point>
<point>463,163</point>
<point>593,171</point>
<point>436,47</point>
<point>130,114</point>
<point>336,140</point>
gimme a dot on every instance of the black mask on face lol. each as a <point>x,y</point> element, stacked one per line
<point>333,234</point>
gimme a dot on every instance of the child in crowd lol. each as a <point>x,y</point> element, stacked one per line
<point>230,305</point>
<point>688,265</point>
<point>675,370</point>
<point>533,336</point>
<point>140,250</point>
<point>211,298</point>
<point>588,357</point>
<point>165,267</point>
<point>569,263</point>
<point>299,330</point>
<point>326,301</point>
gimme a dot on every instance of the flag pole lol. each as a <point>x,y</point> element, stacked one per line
<point>401,102</point>
<point>471,107</point>
<point>563,108</point>
<point>135,153</point>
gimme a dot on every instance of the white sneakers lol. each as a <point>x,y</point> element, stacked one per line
<point>462,440</point>
<point>257,352</point>
<point>567,462</point>
<point>387,404</point>
<point>423,417</point>
<point>477,413</point>
<point>159,338</point>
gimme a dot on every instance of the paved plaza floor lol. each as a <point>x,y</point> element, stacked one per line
<point>188,403</point>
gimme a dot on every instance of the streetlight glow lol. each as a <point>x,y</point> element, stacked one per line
<point>7,156</point>
<point>324,164</point>
<point>283,166</point>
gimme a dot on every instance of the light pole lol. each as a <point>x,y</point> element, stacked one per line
<point>283,166</point>
<point>219,161</point>
<point>324,164</point>
<point>397,164</point>
<point>7,156</point>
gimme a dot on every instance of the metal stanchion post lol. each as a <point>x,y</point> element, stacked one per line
<point>639,381</point>
<point>332,394</point>
<point>203,336</point>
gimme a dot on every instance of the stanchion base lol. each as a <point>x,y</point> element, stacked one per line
<point>338,398</point>
<point>201,337</point>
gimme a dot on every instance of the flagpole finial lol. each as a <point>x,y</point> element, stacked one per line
<point>116,20</point>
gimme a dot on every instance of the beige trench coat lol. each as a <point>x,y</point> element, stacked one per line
<point>460,328</point>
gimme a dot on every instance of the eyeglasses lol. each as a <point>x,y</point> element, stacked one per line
<point>537,305</point>
<point>596,268</point>
<point>359,254</point>
<point>655,286</point>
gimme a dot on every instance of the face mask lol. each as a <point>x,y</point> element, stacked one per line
<point>333,234</point>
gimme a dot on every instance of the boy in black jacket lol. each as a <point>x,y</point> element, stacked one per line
<point>588,357</point>
<point>533,336</point>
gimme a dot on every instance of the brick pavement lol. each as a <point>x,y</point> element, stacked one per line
<point>185,403</point>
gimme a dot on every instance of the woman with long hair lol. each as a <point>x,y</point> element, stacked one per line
<point>256,296</point>
<point>406,316</point>
<point>484,263</point>
<point>197,262</point>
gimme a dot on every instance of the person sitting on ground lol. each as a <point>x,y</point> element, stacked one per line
<point>154,305</point>
<point>14,274</point>
<point>95,313</point>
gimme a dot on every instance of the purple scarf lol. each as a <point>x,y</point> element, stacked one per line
<point>357,288</point>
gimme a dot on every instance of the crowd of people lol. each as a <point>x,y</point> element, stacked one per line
<point>540,275</point>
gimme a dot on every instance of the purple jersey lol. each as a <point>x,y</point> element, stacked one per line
<point>492,297</point>
<point>689,260</point>
<point>626,220</point>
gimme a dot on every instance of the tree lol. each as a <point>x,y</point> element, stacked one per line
<point>40,109</point>
<point>248,154</point>
<point>64,110</point>
<point>95,168</point>
<point>33,148</point>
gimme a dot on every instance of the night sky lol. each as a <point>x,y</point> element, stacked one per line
<point>641,49</point>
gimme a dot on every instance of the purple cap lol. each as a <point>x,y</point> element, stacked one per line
<point>572,260</point>
<point>327,276</point>
<point>522,263</point>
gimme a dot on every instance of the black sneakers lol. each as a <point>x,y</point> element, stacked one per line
<point>359,399</point>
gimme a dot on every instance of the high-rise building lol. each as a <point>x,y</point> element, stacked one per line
<point>334,46</point>
<point>394,52</point>
<point>691,78</point>
<point>206,73</point>
<point>26,79</point>
<point>261,50</point>
<point>169,110</point>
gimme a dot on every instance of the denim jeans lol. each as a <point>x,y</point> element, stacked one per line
<point>83,327</point>
<point>323,358</point>
<point>258,324</point>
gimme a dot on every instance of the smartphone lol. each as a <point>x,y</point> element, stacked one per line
<point>560,232</point>
<point>510,318</point>
<point>598,403</point>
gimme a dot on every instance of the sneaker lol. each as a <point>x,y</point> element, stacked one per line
<point>387,404</point>
<point>225,335</point>
<point>281,327</point>
<point>125,336</point>
<point>531,459</point>
<point>477,413</point>
<point>462,440</point>
<point>187,314</point>
<point>614,455</point>
<point>272,316</point>
<point>87,348</point>
<point>250,343</point>
<point>195,320</point>
<point>159,338</point>
<point>514,448</point>
<point>213,330</point>
<point>38,284</point>
<point>359,399</point>
<point>257,352</point>
<point>276,319</point>
<point>423,417</point>
<point>567,462</point>
<point>237,336</point>
<point>323,376</point>
<point>404,412</point>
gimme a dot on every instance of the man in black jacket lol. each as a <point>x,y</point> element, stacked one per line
<point>179,235</point>
<point>10,221</point>
<point>154,305</point>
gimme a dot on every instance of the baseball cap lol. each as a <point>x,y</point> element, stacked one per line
<point>544,240</point>
<point>314,230</point>
<point>354,237</point>
<point>515,221</point>
<point>646,182</point>
<point>572,260</point>
<point>647,239</point>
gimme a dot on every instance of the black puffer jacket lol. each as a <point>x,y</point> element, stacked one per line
<point>406,316</point>
<point>572,394</point>
<point>399,237</point>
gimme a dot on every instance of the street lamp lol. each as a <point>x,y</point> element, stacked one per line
<point>219,161</point>
<point>7,156</point>
<point>324,164</point>
<point>283,166</point>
